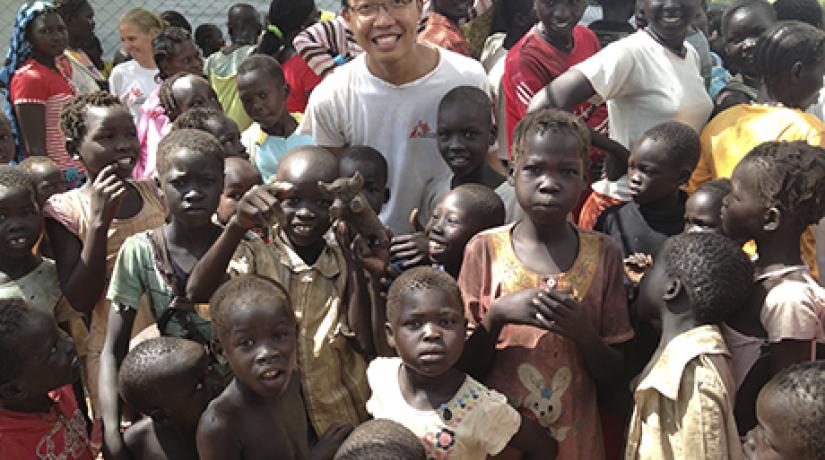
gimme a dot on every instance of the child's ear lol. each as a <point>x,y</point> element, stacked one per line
<point>511,175</point>
<point>387,195</point>
<point>390,334</point>
<point>672,290</point>
<point>684,176</point>
<point>287,89</point>
<point>493,133</point>
<point>796,71</point>
<point>772,219</point>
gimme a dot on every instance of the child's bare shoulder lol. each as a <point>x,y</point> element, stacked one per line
<point>140,437</point>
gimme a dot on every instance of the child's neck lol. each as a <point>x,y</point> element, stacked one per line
<point>15,268</point>
<point>309,254</point>
<point>283,128</point>
<point>563,43</point>
<point>34,405</point>
<point>767,97</point>
<point>195,239</point>
<point>672,201</point>
<point>249,397</point>
<point>546,249</point>
<point>484,175</point>
<point>673,325</point>
<point>47,61</point>
<point>429,392</point>
<point>778,249</point>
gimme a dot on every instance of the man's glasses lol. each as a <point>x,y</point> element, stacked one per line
<point>369,10</point>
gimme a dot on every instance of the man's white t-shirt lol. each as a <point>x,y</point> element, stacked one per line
<point>132,84</point>
<point>354,107</point>
<point>645,84</point>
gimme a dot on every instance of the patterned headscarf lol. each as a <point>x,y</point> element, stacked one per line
<point>19,52</point>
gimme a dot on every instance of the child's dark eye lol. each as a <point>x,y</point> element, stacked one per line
<point>413,324</point>
<point>246,342</point>
<point>571,172</point>
<point>324,203</point>
<point>290,202</point>
<point>447,322</point>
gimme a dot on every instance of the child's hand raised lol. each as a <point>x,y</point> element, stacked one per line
<point>356,250</point>
<point>411,250</point>
<point>260,205</point>
<point>565,315</point>
<point>330,441</point>
<point>108,191</point>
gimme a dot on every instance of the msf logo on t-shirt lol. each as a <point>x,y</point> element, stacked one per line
<point>422,130</point>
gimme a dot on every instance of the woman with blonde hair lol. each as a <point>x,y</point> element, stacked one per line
<point>133,81</point>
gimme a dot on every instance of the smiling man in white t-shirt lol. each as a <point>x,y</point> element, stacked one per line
<point>388,98</point>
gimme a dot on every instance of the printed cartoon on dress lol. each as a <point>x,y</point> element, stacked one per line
<point>543,403</point>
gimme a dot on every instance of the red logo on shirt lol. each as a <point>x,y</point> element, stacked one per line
<point>422,130</point>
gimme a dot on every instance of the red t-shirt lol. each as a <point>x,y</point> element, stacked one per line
<point>60,433</point>
<point>533,63</point>
<point>302,80</point>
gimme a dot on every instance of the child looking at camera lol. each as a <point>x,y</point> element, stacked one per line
<point>155,264</point>
<point>776,193</point>
<point>262,411</point>
<point>454,415</point>
<point>545,298</point>
<point>684,397</point>
<point>39,417</point>
<point>181,369</point>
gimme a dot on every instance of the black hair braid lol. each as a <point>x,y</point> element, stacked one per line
<point>163,46</point>
<point>784,44</point>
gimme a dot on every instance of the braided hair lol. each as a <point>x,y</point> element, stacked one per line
<point>163,46</point>
<point>19,52</point>
<point>785,44</point>
<point>285,18</point>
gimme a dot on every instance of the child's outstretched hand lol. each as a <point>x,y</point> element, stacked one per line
<point>108,191</point>
<point>330,441</point>
<point>260,205</point>
<point>565,315</point>
<point>374,259</point>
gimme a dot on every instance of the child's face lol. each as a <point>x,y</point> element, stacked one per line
<point>428,331</point>
<point>771,438</point>
<point>192,186</point>
<point>305,216</point>
<point>193,92</point>
<point>6,141</point>
<point>49,357</point>
<point>110,138</point>
<point>47,35</point>
<point>703,213</point>
<point>549,176</point>
<point>743,211</point>
<point>259,342</point>
<point>670,18</point>
<point>388,36</point>
<point>20,222</point>
<point>228,134</point>
<point>559,17</point>
<point>82,23</point>
<point>651,174</point>
<point>263,96</point>
<point>189,385</point>
<point>49,181</point>
<point>464,138</point>
<point>375,181</point>
<point>239,177</point>
<point>451,226</point>
<point>185,57</point>
<point>743,30</point>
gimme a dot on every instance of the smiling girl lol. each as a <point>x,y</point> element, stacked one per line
<point>134,80</point>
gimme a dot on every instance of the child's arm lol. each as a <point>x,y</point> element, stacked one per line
<point>258,206</point>
<point>534,442</point>
<point>330,441</point>
<point>567,317</point>
<point>80,264</point>
<point>114,350</point>
<point>215,438</point>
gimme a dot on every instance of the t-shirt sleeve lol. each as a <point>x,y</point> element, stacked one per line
<point>474,280</point>
<point>615,318</point>
<point>609,70</point>
<point>792,311</point>
<point>27,87</point>
<point>252,256</point>
<point>497,423</point>
<point>322,119</point>
<point>127,285</point>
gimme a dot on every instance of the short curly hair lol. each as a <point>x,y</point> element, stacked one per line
<point>716,188</point>
<point>808,11</point>
<point>791,177</point>
<point>13,314</point>
<point>197,118</point>
<point>197,141</point>
<point>381,439</point>
<point>73,114</point>
<point>714,272</point>
<point>144,366</point>
<point>262,62</point>
<point>682,142</point>
<point>166,95</point>
<point>544,120</point>
<point>15,177</point>
<point>164,44</point>
<point>484,203</point>
<point>803,385</point>
<point>246,289</point>
<point>419,279</point>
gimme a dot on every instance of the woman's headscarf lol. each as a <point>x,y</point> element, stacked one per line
<point>19,52</point>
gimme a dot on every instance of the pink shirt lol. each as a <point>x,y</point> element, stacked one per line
<point>152,125</point>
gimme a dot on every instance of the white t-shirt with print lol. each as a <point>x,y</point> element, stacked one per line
<point>354,107</point>
<point>132,84</point>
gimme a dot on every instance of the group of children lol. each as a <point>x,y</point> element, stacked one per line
<point>218,305</point>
